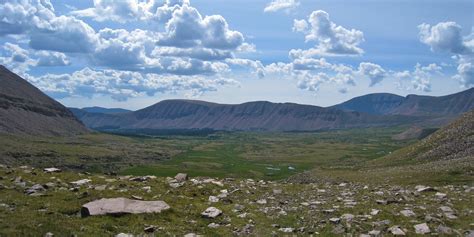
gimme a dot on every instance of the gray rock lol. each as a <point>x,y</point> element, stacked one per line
<point>422,229</point>
<point>335,220</point>
<point>37,188</point>
<point>408,213</point>
<point>444,230</point>
<point>374,233</point>
<point>49,234</point>
<point>213,225</point>
<point>81,182</point>
<point>395,230</point>
<point>287,230</point>
<point>211,212</point>
<point>118,206</point>
<point>213,199</point>
<point>347,217</point>
<point>181,177</point>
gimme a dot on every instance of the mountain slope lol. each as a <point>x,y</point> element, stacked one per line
<point>412,105</point>
<point>24,109</point>
<point>449,147</point>
<point>252,116</point>
<point>380,103</point>
<point>101,110</point>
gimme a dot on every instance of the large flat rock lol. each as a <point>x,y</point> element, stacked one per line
<point>119,206</point>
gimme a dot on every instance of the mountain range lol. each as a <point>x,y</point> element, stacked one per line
<point>371,110</point>
<point>24,109</point>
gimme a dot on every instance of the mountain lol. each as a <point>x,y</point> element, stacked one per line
<point>24,109</point>
<point>101,110</point>
<point>450,147</point>
<point>380,103</point>
<point>412,105</point>
<point>252,116</point>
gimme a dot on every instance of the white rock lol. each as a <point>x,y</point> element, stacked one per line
<point>287,230</point>
<point>408,213</point>
<point>347,217</point>
<point>181,177</point>
<point>213,225</point>
<point>213,199</point>
<point>52,170</point>
<point>124,235</point>
<point>115,206</point>
<point>335,220</point>
<point>422,229</point>
<point>262,201</point>
<point>395,230</point>
<point>211,212</point>
<point>374,212</point>
<point>81,182</point>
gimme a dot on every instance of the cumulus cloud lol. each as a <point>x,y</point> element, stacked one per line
<point>331,39</point>
<point>446,37</point>
<point>419,78</point>
<point>373,71</point>
<point>187,28</point>
<point>465,73</point>
<point>279,5</point>
<point>52,59</point>
<point>121,85</point>
<point>16,58</point>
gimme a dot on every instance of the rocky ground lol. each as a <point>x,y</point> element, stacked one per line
<point>51,203</point>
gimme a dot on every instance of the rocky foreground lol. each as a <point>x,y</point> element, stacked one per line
<point>49,202</point>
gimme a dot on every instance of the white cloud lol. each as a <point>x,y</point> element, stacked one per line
<point>373,71</point>
<point>465,73</point>
<point>332,40</point>
<point>16,58</point>
<point>278,5</point>
<point>51,59</point>
<point>419,78</point>
<point>447,37</point>
<point>187,28</point>
<point>121,85</point>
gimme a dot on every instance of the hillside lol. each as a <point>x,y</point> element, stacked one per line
<point>379,103</point>
<point>412,105</point>
<point>451,147</point>
<point>252,116</point>
<point>24,109</point>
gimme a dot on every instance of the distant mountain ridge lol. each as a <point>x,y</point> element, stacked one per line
<point>413,105</point>
<point>102,110</point>
<point>24,109</point>
<point>366,111</point>
<point>251,116</point>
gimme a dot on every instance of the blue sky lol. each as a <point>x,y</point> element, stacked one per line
<point>134,53</point>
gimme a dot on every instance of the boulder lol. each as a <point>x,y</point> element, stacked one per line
<point>119,206</point>
<point>52,170</point>
<point>211,212</point>
<point>408,213</point>
<point>81,182</point>
<point>395,230</point>
<point>422,229</point>
<point>181,177</point>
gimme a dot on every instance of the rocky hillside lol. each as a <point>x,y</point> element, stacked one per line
<point>449,147</point>
<point>252,116</point>
<point>49,202</point>
<point>24,109</point>
<point>413,105</point>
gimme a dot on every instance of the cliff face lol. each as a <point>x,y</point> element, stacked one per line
<point>24,109</point>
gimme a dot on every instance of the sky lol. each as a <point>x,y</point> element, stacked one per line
<point>135,53</point>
